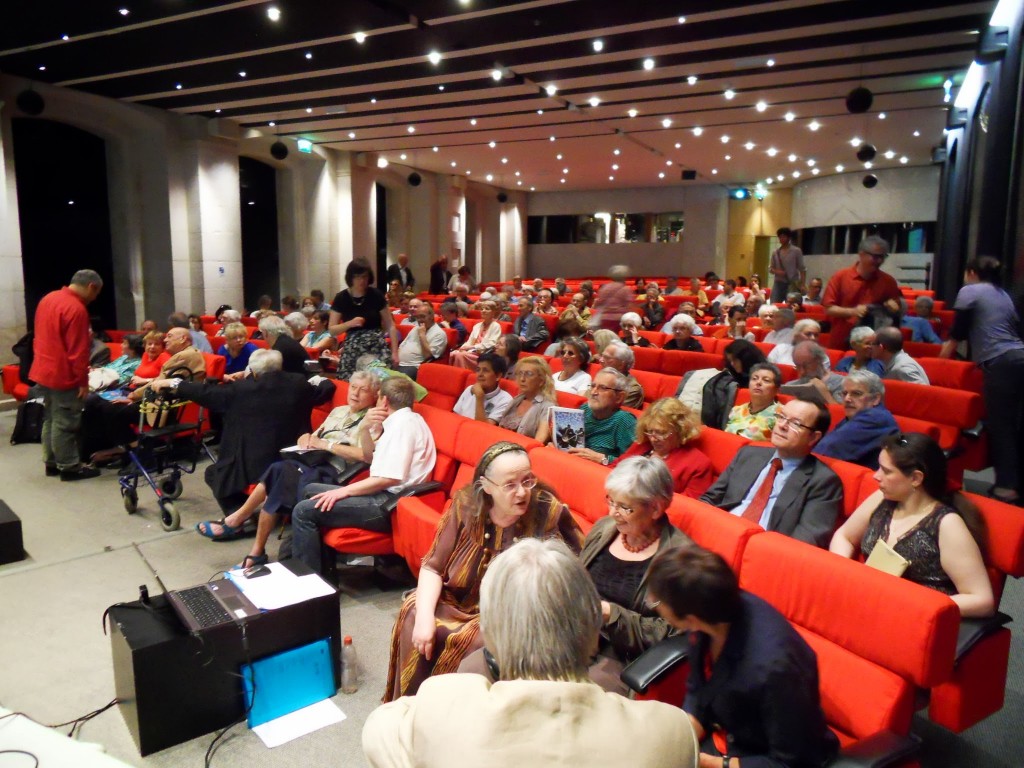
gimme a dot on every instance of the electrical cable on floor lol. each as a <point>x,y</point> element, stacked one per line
<point>244,626</point>
<point>20,752</point>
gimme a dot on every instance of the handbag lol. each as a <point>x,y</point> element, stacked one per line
<point>310,457</point>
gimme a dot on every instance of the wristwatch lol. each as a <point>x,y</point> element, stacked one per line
<point>725,761</point>
<point>606,460</point>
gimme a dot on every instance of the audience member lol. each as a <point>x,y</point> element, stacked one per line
<point>898,365</point>
<point>361,313</point>
<point>321,303</point>
<point>298,324</point>
<point>481,339</point>
<point>485,400</point>
<point>730,297</point>
<point>698,292</point>
<point>575,356</point>
<point>858,437</point>
<point>862,293</point>
<point>545,303</point>
<point>279,337</point>
<point>404,456</point>
<point>529,412</point>
<point>737,325</point>
<point>985,315</point>
<point>919,323</point>
<point>711,392</point>
<point>751,673</point>
<point>609,430</point>
<point>400,271</point>
<point>665,431</point>
<point>682,335</point>
<point>236,349</point>
<point>99,352</point>
<point>149,326</point>
<point>319,335</point>
<point>755,419</point>
<point>813,295</point>
<point>199,340</point>
<point>690,310</point>
<point>438,624</point>
<point>529,327</point>
<point>672,287</point>
<point>423,344</point>
<point>940,534</point>
<point>783,320</point>
<point>652,311</point>
<point>862,340</point>
<point>226,318</point>
<point>569,328</point>
<point>803,330</point>
<point>577,310</point>
<point>450,319</point>
<point>783,487</point>
<point>264,307</point>
<point>786,266</point>
<point>630,324</point>
<point>509,346</point>
<point>439,276</point>
<point>813,374</point>
<point>620,357</point>
<point>132,349</point>
<point>152,360</point>
<point>289,304</point>
<point>613,300</point>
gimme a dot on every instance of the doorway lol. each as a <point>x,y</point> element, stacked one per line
<point>261,268</point>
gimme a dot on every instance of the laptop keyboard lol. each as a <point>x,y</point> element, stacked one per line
<point>204,606</point>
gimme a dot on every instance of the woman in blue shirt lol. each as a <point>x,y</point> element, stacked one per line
<point>236,348</point>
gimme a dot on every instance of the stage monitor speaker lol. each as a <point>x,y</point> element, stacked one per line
<point>12,546</point>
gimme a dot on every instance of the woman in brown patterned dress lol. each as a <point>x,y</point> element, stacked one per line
<point>438,624</point>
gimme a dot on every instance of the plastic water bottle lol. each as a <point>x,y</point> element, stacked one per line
<point>349,666</point>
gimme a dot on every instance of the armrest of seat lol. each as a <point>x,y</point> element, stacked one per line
<point>974,630</point>
<point>974,431</point>
<point>352,468</point>
<point>878,750</point>
<point>654,662</point>
<point>417,489</point>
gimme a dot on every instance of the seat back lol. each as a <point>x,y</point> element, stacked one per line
<point>579,483</point>
<point>647,358</point>
<point>857,482</point>
<point>444,383</point>
<point>712,528</point>
<point>676,362</point>
<point>721,447</point>
<point>444,426</point>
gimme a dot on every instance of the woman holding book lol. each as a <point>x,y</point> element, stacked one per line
<point>936,537</point>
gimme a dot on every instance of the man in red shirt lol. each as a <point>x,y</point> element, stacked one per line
<point>60,367</point>
<point>852,291</point>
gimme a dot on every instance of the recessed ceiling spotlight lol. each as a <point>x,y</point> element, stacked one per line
<point>351,134</point>
<point>615,166</point>
<point>714,171</point>
<point>125,12</point>
<point>917,133</point>
<point>815,171</point>
<point>811,162</point>
<point>540,111</point>
<point>796,174</point>
<point>496,74</point>
<point>814,125</point>
<point>667,122</point>
<point>274,13</point>
<point>42,68</point>
<point>492,144</point>
<point>518,174</point>
<point>761,106</point>
<point>468,172</point>
<point>682,19</point>
<point>769,180</point>
<point>594,101</point>
<point>453,163</point>
<point>661,174</point>
<point>598,46</point>
<point>242,73</point>
<point>533,189</point>
<point>890,155</point>
<point>749,145</point>
<point>472,121</point>
<point>217,111</point>
<point>177,87</point>
<point>770,63</point>
<point>780,177</point>
<point>382,162</point>
<point>839,169</point>
<point>519,183</point>
<point>562,181</point>
<point>791,158</point>
<point>373,101</point>
<point>869,165</point>
<point>697,130</point>
<point>648,64</point>
<point>440,87</point>
<point>360,37</point>
<point>881,115</point>
<point>411,129</point>
<point>551,90</point>
<point>271,123</point>
<point>558,156</point>
<point>504,161</point>
<point>551,138</point>
<point>489,177</point>
<point>668,163</point>
<point>402,156</point>
<point>65,38</point>
<point>678,145</point>
<point>790,117</point>
<point>855,141</point>
<point>691,80</point>
<point>565,170</point>
<point>728,157</point>
<point>904,160</point>
<point>729,93</point>
<point>616,151</point>
<point>436,149</point>
<point>771,151</point>
<point>725,139</point>
<point>309,111</point>
<point>632,113</point>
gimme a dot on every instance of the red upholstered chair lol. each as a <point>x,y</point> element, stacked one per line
<point>647,358</point>
<point>721,447</point>
<point>13,385</point>
<point>444,384</point>
<point>578,482</point>
<point>677,363</point>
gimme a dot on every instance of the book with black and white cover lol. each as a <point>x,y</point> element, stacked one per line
<point>567,429</point>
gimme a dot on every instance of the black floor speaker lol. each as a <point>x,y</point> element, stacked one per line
<point>12,546</point>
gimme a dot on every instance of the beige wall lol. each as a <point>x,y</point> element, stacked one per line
<point>750,218</point>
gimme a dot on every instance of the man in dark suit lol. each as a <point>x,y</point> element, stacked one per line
<point>263,413</point>
<point>529,327</point>
<point>784,488</point>
<point>401,272</point>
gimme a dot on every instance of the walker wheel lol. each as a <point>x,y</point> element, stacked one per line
<point>130,497</point>
<point>169,517</point>
<point>171,487</point>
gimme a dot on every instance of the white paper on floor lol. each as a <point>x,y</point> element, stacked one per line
<point>288,727</point>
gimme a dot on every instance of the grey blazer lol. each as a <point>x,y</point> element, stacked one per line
<point>807,507</point>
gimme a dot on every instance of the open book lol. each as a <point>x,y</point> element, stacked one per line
<point>567,428</point>
<point>885,558</point>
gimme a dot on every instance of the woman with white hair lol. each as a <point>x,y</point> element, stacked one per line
<point>482,338</point>
<point>541,615</point>
<point>439,624</point>
<point>682,335</point>
<point>630,334</point>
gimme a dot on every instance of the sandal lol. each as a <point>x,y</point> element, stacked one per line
<point>227,532</point>
<point>250,561</point>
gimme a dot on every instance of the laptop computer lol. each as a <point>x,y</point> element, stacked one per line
<point>211,605</point>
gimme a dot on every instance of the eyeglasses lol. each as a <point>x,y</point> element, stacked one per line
<point>787,421</point>
<point>879,256</point>
<point>568,353</point>
<point>614,506</point>
<point>603,388</point>
<point>528,483</point>
<point>657,435</point>
<point>525,374</point>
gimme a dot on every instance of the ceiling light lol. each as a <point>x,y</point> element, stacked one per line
<point>468,172</point>
<point>815,171</point>
<point>729,93</point>
<point>540,111</point>
<point>890,155</point>
<point>551,90</point>
<point>632,113</point>
<point>217,111</point>
<point>177,87</point>
<point>309,55</point>
<point>668,163</point>
<point>373,101</point>
<point>728,157</point>
<point>749,145</point>
<point>761,106</point>
<point>869,165</point>
<point>678,145</point>
<point>796,174</point>
<point>714,171</point>
<point>360,37</point>
<point>904,159</point>
<point>274,13</point>
<point>839,169</point>
<point>780,177</point>
<point>351,134</point>
<point>648,64</point>
<point>666,122</point>
<point>616,151</point>
<point>565,170</point>
<point>125,12</point>
<point>611,178</point>
<point>769,180</point>
<point>814,125</point>
<point>791,158</point>
<point>770,63</point>
<point>410,129</point>
<point>598,46</point>
<point>855,141</point>
<point>771,151</point>
<point>518,174</point>
<point>440,87</point>
<point>725,139</point>
<point>881,115</point>
<point>558,156</point>
<point>811,162</point>
<point>697,130</point>
<point>271,123</point>
<point>435,149</point>
<point>492,144</point>
<point>402,156</point>
<point>504,161</point>
<point>496,74</point>
<point>790,117</point>
<point>661,174</point>
<point>519,183</point>
<point>382,162</point>
<point>594,101</point>
<point>473,121</point>
<point>562,181</point>
<point>691,80</point>
<point>615,166</point>
<point>242,73</point>
<point>434,57</point>
<point>453,163</point>
<point>533,189</point>
<point>682,19</point>
<point>42,68</point>
<point>917,133</point>
<point>551,138</point>
<point>489,177</point>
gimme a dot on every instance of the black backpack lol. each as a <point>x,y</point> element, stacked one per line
<point>28,427</point>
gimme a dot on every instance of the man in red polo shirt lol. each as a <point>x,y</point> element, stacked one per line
<point>60,367</point>
<point>852,291</point>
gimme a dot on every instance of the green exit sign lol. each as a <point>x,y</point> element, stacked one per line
<point>305,145</point>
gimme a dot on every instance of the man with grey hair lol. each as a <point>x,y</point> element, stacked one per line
<point>529,327</point>
<point>262,414</point>
<point>404,456</point>
<point>199,340</point>
<point>815,375</point>
<point>920,323</point>
<point>858,437</point>
<point>541,615</point>
<point>278,336</point>
<point>577,310</point>
<point>609,430</point>
<point>425,342</point>
<point>60,367</point>
<point>620,357</point>
<point>228,316</point>
<point>298,324</point>
<point>783,319</point>
<point>888,350</point>
<point>803,330</point>
<point>864,289</point>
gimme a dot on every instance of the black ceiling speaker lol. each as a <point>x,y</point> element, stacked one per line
<point>414,179</point>
<point>859,100</point>
<point>502,197</point>
<point>279,150</point>
<point>866,153</point>
<point>31,103</point>
<point>870,181</point>
<point>689,174</point>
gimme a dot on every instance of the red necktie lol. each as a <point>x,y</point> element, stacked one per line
<point>760,501</point>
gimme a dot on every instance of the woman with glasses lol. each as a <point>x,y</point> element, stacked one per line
<point>573,378</point>
<point>439,624</point>
<point>618,553</point>
<point>664,431</point>
<point>940,534</point>
<point>236,349</point>
<point>528,412</point>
